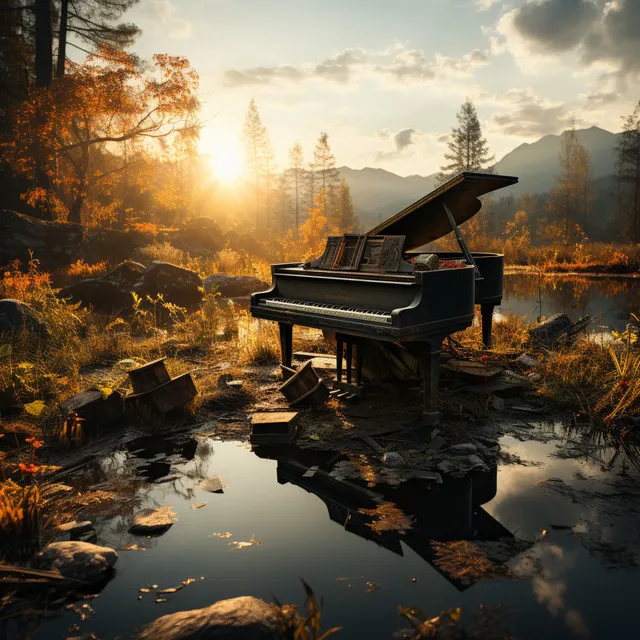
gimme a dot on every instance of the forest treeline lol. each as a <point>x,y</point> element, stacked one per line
<point>112,141</point>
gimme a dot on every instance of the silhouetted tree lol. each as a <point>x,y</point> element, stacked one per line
<point>324,168</point>
<point>628,163</point>
<point>257,147</point>
<point>296,171</point>
<point>468,150</point>
<point>345,207</point>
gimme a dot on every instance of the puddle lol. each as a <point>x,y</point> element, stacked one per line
<point>551,540</point>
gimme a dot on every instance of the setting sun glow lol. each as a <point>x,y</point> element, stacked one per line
<point>227,162</point>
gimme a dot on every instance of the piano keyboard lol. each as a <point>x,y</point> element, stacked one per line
<point>372,315</point>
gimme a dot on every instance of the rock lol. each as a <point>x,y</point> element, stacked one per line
<point>74,529</point>
<point>233,286</point>
<point>527,361</point>
<point>497,403</point>
<point>245,242</point>
<point>198,237</point>
<point>103,295</point>
<point>96,410</point>
<point>54,244</point>
<point>16,316</point>
<point>176,284</point>
<point>213,485</point>
<point>152,521</point>
<point>437,442</point>
<point>464,448</point>
<point>78,560</point>
<point>426,262</point>
<point>244,618</point>
<point>393,460</point>
<point>126,274</point>
<point>445,466</point>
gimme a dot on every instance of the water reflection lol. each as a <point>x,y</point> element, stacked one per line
<point>609,300</point>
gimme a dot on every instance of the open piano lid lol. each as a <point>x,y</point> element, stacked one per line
<point>426,220</point>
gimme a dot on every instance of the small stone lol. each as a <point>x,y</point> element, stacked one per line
<point>497,403</point>
<point>78,560</point>
<point>75,528</point>
<point>437,443</point>
<point>445,466</point>
<point>213,485</point>
<point>149,521</point>
<point>393,460</point>
<point>466,447</point>
<point>476,461</point>
<point>527,361</point>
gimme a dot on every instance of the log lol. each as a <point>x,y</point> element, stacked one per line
<point>557,329</point>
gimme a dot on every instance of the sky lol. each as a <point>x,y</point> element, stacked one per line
<point>385,78</point>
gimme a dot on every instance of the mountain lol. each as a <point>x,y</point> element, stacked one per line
<point>537,164</point>
<point>378,194</point>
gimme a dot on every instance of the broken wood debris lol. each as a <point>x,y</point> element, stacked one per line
<point>274,427</point>
<point>304,388</point>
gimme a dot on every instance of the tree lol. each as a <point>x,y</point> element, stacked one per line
<point>324,168</point>
<point>628,162</point>
<point>571,200</point>
<point>283,199</point>
<point>93,23</point>
<point>257,148</point>
<point>468,150</point>
<point>345,207</point>
<point>108,100</point>
<point>296,170</point>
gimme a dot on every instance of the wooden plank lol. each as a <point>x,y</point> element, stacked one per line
<point>309,355</point>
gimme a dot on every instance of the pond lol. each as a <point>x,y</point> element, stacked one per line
<point>609,300</point>
<point>569,532</point>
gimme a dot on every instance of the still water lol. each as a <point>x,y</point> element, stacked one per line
<point>608,300</point>
<point>575,573</point>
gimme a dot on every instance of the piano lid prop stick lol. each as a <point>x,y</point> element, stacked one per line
<point>461,242</point>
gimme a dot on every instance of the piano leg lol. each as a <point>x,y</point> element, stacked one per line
<point>286,343</point>
<point>431,378</point>
<point>339,357</point>
<point>486,310</point>
<point>349,359</point>
<point>359,354</point>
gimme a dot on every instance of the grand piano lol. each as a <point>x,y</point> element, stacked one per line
<point>369,285</point>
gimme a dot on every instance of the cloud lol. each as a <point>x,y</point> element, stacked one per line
<point>555,25</point>
<point>526,114</point>
<point>402,140</point>
<point>404,66</point>
<point>484,5</point>
<point>165,12</point>
<point>600,34</point>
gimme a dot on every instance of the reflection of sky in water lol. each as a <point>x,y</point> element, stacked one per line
<point>568,594</point>
<point>609,301</point>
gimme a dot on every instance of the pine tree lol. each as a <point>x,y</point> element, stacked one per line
<point>345,206</point>
<point>572,199</point>
<point>628,162</point>
<point>283,199</point>
<point>468,150</point>
<point>296,171</point>
<point>93,23</point>
<point>256,142</point>
<point>324,168</point>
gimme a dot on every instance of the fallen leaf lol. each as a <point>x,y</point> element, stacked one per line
<point>198,506</point>
<point>35,408</point>
<point>237,545</point>
<point>226,534</point>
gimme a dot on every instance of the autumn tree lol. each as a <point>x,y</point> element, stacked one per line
<point>105,102</point>
<point>571,200</point>
<point>296,171</point>
<point>628,173</point>
<point>468,150</point>
<point>324,169</point>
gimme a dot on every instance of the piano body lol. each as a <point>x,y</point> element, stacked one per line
<point>364,286</point>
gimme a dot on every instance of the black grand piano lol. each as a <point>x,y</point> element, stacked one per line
<point>368,286</point>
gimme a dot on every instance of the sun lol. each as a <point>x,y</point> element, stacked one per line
<point>226,162</point>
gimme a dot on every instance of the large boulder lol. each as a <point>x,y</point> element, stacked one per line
<point>233,286</point>
<point>16,316</point>
<point>244,618</point>
<point>126,274</point>
<point>78,560</point>
<point>199,237</point>
<point>103,295</point>
<point>245,242</point>
<point>176,284</point>
<point>54,244</point>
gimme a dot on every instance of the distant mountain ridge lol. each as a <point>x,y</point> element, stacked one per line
<point>378,194</point>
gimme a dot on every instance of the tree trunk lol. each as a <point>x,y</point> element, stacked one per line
<point>62,38</point>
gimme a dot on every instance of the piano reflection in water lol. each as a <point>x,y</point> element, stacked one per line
<point>369,287</point>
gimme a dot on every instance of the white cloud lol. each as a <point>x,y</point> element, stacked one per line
<point>166,13</point>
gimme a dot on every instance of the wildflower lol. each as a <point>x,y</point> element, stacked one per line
<point>484,356</point>
<point>28,467</point>
<point>34,442</point>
